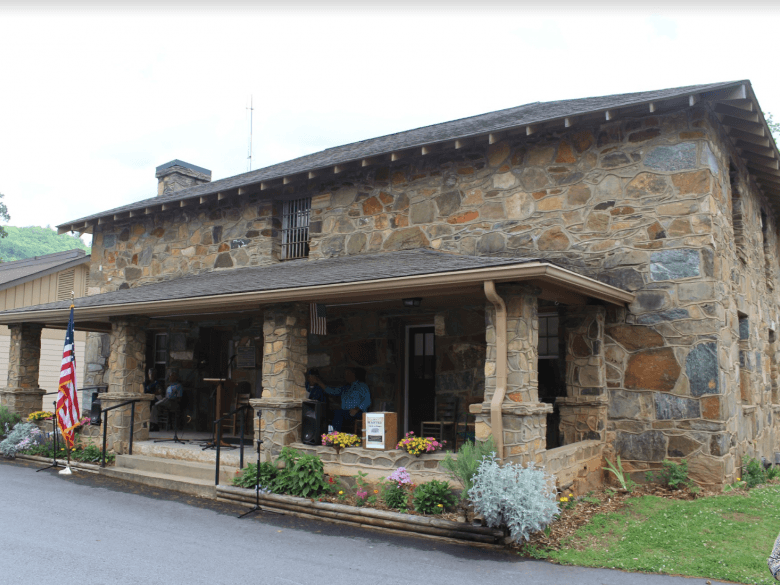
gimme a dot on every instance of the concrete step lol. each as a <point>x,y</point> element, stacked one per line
<point>196,487</point>
<point>175,468</point>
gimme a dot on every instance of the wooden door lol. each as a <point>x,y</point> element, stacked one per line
<point>421,377</point>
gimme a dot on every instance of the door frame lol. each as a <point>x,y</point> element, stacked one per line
<point>407,345</point>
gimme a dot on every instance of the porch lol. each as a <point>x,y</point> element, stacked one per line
<point>518,345</point>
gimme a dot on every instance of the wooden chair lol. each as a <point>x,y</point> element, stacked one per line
<point>446,417</point>
<point>466,426</point>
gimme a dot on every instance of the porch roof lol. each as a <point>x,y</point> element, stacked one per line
<point>369,276</point>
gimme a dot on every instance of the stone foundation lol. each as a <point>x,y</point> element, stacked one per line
<point>22,394</point>
<point>118,434</point>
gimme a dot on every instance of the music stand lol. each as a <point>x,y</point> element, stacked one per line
<point>218,413</point>
<point>176,417</point>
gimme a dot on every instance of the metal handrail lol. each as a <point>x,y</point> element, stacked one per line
<point>103,411</point>
<point>219,439</point>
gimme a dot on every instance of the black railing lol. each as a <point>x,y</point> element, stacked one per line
<point>218,440</point>
<point>104,412</point>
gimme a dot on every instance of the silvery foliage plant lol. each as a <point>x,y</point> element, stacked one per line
<point>522,498</point>
<point>21,437</point>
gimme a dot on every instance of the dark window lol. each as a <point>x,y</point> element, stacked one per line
<point>295,228</point>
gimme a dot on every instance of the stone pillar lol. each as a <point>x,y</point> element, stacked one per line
<point>584,409</point>
<point>285,357</point>
<point>22,394</point>
<point>125,382</point>
<point>524,417</point>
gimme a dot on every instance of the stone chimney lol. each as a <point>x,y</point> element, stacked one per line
<point>177,175</point>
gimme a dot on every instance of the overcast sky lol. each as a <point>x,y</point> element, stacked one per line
<point>91,101</point>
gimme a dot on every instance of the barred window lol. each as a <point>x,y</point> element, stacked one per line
<point>295,228</point>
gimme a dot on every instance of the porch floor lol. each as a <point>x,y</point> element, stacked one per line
<point>192,449</point>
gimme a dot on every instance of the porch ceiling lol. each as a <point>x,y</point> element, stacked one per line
<point>369,277</point>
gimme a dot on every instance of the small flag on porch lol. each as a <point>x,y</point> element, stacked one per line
<point>68,411</point>
<point>318,319</point>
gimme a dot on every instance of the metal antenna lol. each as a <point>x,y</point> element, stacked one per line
<point>251,111</point>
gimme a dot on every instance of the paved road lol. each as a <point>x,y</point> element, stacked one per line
<point>98,530</point>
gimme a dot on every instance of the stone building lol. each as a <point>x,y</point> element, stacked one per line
<point>587,278</point>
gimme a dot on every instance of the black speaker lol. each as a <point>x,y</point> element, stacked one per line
<point>96,412</point>
<point>313,419</point>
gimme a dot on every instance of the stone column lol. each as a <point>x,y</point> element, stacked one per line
<point>285,357</point>
<point>524,417</point>
<point>22,394</point>
<point>584,409</point>
<point>125,382</point>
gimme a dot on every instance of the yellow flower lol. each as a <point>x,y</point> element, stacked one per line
<point>440,505</point>
<point>739,479</point>
<point>341,492</point>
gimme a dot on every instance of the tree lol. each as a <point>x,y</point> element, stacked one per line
<point>4,217</point>
<point>774,127</point>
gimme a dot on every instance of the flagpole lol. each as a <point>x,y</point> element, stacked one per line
<point>67,470</point>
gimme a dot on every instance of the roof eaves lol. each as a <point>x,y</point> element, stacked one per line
<point>277,172</point>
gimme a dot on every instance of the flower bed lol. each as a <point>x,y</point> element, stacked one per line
<point>364,517</point>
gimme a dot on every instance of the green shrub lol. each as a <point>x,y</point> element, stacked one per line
<point>672,475</point>
<point>302,476</point>
<point>433,497</point>
<point>19,439</point>
<point>395,496</point>
<point>8,420</point>
<point>464,466</point>
<point>249,476</point>
<point>753,472</point>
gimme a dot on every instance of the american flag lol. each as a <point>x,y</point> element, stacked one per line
<point>68,412</point>
<point>318,322</point>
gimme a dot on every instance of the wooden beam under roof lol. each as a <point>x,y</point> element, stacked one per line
<point>748,137</point>
<point>754,148</point>
<point>494,137</point>
<point>755,128</point>
<point>738,92</point>
<point>734,112</point>
<point>764,161</point>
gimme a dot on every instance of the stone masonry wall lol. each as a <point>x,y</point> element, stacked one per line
<point>125,382</point>
<point>22,394</point>
<point>747,257</point>
<point>285,358</point>
<point>644,204</point>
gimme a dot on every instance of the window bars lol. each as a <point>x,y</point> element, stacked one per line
<point>295,228</point>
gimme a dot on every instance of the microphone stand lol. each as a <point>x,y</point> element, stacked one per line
<point>56,446</point>
<point>257,507</point>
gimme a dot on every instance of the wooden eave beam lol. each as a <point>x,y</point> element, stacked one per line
<point>400,154</point>
<point>754,148</point>
<point>738,92</point>
<point>764,161</point>
<point>693,99</point>
<point>494,137</point>
<point>748,137</point>
<point>734,112</point>
<point>755,128</point>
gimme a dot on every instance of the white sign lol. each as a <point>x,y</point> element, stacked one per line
<point>375,431</point>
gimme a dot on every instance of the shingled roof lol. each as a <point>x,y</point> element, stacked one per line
<point>20,271</point>
<point>294,275</point>
<point>530,116</point>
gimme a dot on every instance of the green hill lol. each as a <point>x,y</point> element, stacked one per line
<point>27,242</point>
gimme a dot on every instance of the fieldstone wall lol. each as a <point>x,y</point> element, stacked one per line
<point>22,394</point>
<point>125,382</point>
<point>648,204</point>
<point>220,235</point>
<point>285,357</point>
<point>584,409</point>
<point>524,417</point>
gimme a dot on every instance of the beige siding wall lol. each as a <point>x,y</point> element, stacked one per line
<point>44,290</point>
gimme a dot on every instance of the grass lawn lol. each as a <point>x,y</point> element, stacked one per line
<point>725,537</point>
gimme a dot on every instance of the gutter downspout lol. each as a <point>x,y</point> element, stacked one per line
<point>496,420</point>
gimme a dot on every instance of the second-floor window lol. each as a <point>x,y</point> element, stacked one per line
<point>295,228</point>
